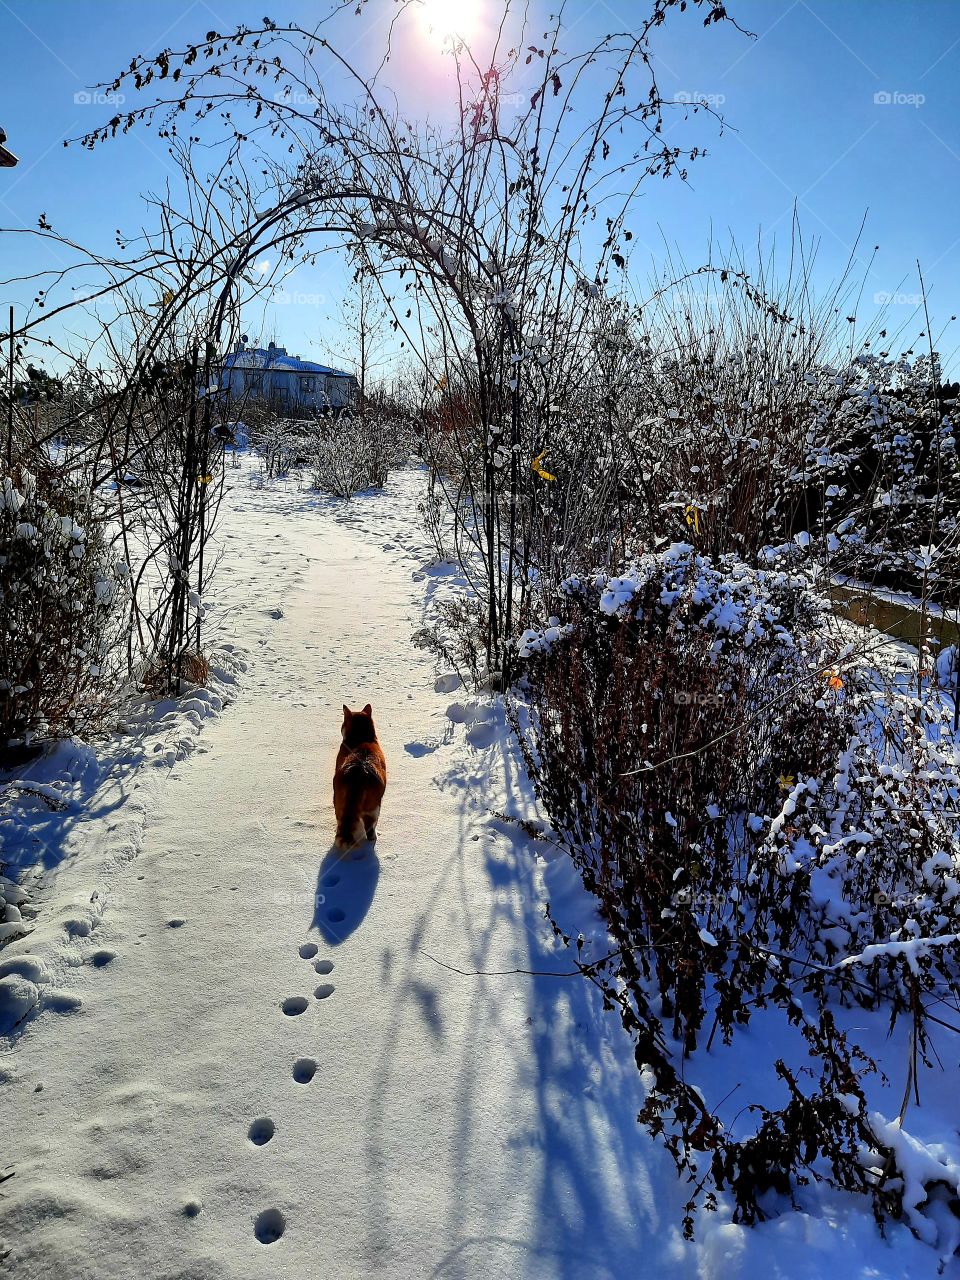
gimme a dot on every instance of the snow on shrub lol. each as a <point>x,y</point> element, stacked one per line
<point>350,453</point>
<point>764,830</point>
<point>880,475</point>
<point>59,588</point>
<point>740,422</point>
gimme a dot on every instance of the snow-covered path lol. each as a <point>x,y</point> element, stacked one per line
<point>263,1048</point>
<point>417,1145</point>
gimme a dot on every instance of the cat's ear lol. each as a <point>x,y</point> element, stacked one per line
<point>368,710</point>
<point>347,713</point>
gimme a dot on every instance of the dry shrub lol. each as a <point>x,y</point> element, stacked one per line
<point>747,815</point>
<point>680,698</point>
<point>194,668</point>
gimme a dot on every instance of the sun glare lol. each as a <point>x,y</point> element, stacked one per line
<point>444,21</point>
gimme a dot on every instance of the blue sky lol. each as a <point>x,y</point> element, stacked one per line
<point>845,106</point>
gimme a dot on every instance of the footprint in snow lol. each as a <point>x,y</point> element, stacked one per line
<point>325,990</point>
<point>304,1069</point>
<point>269,1226</point>
<point>176,923</point>
<point>356,872</point>
<point>323,966</point>
<point>261,1131</point>
<point>102,957</point>
<point>294,1005</point>
<point>61,1001</point>
<point>308,950</point>
<point>418,749</point>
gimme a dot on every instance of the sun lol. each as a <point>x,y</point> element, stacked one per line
<point>448,21</point>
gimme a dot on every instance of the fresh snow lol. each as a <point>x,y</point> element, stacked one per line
<point>244,1056</point>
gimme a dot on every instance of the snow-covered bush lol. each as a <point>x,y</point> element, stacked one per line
<point>275,439</point>
<point>879,482</point>
<point>735,415</point>
<point>760,836</point>
<point>61,637</point>
<point>729,412</point>
<point>13,907</point>
<point>356,452</point>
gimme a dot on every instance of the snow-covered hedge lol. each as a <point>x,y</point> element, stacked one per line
<point>59,590</point>
<point>765,829</point>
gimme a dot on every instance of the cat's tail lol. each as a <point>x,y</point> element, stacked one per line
<point>350,830</point>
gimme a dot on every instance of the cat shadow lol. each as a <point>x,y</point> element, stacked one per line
<point>346,883</point>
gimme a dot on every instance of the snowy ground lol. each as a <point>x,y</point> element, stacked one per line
<point>248,1063</point>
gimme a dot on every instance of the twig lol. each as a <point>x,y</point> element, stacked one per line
<point>580,972</point>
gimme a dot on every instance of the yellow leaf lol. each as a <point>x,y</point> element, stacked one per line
<point>204,479</point>
<point>537,468</point>
<point>693,518</point>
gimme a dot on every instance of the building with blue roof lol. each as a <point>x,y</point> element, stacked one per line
<point>284,382</point>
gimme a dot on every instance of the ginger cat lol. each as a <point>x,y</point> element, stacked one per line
<point>359,779</point>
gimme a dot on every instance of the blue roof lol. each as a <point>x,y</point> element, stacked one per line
<point>277,358</point>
